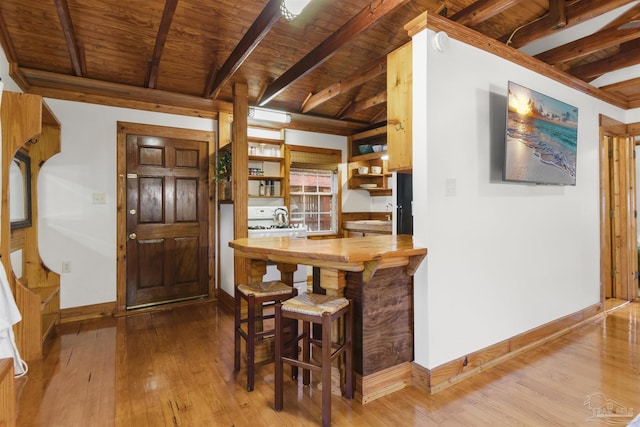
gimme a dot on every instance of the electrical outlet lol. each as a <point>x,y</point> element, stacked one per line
<point>66,266</point>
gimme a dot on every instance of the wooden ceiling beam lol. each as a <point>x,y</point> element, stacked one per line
<point>587,45</point>
<point>77,59</point>
<point>614,87</point>
<point>481,10</point>
<point>81,89</point>
<point>577,13</point>
<point>363,105</point>
<point>169,11</point>
<point>353,80</point>
<point>7,44</point>
<point>254,35</point>
<point>593,70</point>
<point>381,116</point>
<point>557,14</point>
<point>630,15</point>
<point>364,20</point>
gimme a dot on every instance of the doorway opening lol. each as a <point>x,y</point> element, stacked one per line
<point>404,203</point>
<point>618,227</point>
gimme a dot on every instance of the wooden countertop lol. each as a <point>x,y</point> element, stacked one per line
<point>348,254</point>
<point>372,225</point>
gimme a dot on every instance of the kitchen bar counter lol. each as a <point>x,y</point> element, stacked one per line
<point>376,272</point>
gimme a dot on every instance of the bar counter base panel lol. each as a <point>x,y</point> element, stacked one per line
<point>382,383</point>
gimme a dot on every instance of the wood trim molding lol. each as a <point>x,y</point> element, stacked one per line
<point>93,311</point>
<point>450,373</point>
<point>225,302</point>
<point>124,128</point>
<point>473,38</point>
<point>634,129</point>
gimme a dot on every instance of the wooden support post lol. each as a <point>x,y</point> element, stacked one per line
<point>239,166</point>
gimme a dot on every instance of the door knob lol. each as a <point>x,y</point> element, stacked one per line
<point>132,236</point>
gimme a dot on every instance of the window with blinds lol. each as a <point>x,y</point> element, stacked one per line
<point>313,189</point>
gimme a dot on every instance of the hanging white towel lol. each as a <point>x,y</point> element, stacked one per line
<point>9,316</point>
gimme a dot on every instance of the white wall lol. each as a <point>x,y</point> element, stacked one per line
<point>503,258</point>
<point>72,227</point>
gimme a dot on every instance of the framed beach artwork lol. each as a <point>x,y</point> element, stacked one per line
<point>541,139</point>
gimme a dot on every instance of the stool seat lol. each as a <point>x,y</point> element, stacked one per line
<point>264,289</point>
<point>314,304</point>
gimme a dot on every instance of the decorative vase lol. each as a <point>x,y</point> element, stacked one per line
<point>224,190</point>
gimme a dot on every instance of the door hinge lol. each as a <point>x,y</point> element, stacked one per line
<point>611,154</point>
<point>633,154</point>
<point>613,273</point>
<point>612,214</point>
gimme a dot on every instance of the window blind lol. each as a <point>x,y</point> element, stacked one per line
<point>313,158</point>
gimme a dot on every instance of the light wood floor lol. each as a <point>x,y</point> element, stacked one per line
<point>175,368</point>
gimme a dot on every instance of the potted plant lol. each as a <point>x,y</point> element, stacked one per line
<point>223,175</point>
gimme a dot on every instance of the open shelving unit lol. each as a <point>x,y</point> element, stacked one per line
<point>377,136</point>
<point>267,172</point>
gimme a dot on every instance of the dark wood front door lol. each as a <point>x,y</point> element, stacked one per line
<point>167,220</point>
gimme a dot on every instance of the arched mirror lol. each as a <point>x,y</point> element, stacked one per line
<point>20,191</point>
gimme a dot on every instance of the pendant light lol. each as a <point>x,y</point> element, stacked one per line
<point>292,8</point>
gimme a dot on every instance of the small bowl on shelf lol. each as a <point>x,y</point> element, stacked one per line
<point>365,149</point>
<point>377,148</point>
<point>376,170</point>
<point>363,170</point>
<point>368,185</point>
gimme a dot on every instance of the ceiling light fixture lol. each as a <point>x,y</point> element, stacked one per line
<point>269,115</point>
<point>292,8</point>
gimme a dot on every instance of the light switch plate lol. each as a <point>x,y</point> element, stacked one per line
<point>450,187</point>
<point>99,198</point>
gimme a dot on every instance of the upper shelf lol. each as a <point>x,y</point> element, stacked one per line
<point>257,158</point>
<point>377,136</point>
<point>370,156</point>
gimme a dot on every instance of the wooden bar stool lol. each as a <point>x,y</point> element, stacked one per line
<point>321,310</point>
<point>256,294</point>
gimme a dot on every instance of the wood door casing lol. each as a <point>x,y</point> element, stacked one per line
<point>187,238</point>
<point>166,220</point>
<point>619,262</point>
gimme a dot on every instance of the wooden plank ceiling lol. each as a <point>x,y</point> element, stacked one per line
<point>327,67</point>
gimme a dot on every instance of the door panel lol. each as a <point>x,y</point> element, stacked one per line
<point>167,220</point>
<point>404,202</point>
<point>620,251</point>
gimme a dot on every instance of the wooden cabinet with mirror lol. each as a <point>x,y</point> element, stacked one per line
<point>30,136</point>
<point>20,190</point>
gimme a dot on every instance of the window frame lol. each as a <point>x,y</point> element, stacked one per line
<point>320,160</point>
<point>318,195</point>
